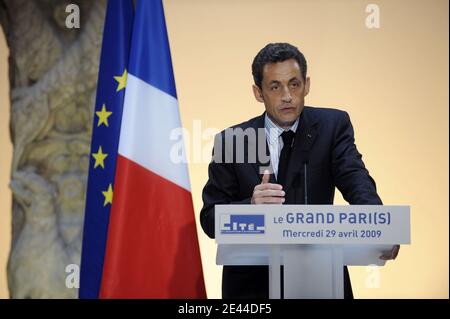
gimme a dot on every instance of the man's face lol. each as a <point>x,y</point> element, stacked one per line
<point>283,92</point>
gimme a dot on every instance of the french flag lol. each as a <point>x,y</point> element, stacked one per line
<point>151,248</point>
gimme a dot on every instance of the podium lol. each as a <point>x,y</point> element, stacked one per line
<point>312,242</point>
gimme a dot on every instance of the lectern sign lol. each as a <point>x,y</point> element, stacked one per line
<point>326,224</point>
<point>312,242</point>
<point>241,224</point>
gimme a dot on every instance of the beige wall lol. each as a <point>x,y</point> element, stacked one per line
<point>5,162</point>
<point>393,81</point>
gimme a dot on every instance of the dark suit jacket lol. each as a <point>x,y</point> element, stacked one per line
<point>325,141</point>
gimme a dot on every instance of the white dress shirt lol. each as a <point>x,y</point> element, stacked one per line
<point>275,141</point>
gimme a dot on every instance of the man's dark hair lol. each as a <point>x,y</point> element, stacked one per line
<point>276,52</point>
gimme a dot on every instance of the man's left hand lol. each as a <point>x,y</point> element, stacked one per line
<point>390,254</point>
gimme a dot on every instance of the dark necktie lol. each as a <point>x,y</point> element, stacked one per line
<point>285,155</point>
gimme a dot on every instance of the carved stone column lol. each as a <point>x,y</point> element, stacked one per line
<point>53,75</point>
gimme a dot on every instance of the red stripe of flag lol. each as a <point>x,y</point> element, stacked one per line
<point>152,248</point>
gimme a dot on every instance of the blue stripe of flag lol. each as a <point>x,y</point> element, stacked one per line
<point>150,65</point>
<point>113,61</point>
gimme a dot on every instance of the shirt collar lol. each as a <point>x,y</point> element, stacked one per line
<point>273,131</point>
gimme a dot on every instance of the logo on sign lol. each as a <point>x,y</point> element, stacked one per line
<point>242,224</point>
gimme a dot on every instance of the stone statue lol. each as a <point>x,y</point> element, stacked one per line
<point>53,76</point>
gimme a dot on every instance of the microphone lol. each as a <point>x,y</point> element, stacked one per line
<point>305,175</point>
<point>297,179</point>
<point>305,162</point>
<point>306,182</point>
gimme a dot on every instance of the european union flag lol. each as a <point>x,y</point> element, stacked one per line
<point>105,139</point>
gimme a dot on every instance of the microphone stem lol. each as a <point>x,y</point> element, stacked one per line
<point>306,185</point>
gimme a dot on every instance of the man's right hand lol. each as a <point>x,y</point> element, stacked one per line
<point>267,193</point>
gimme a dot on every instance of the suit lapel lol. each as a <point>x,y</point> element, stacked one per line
<point>304,139</point>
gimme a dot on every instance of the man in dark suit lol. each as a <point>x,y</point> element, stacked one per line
<point>309,151</point>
